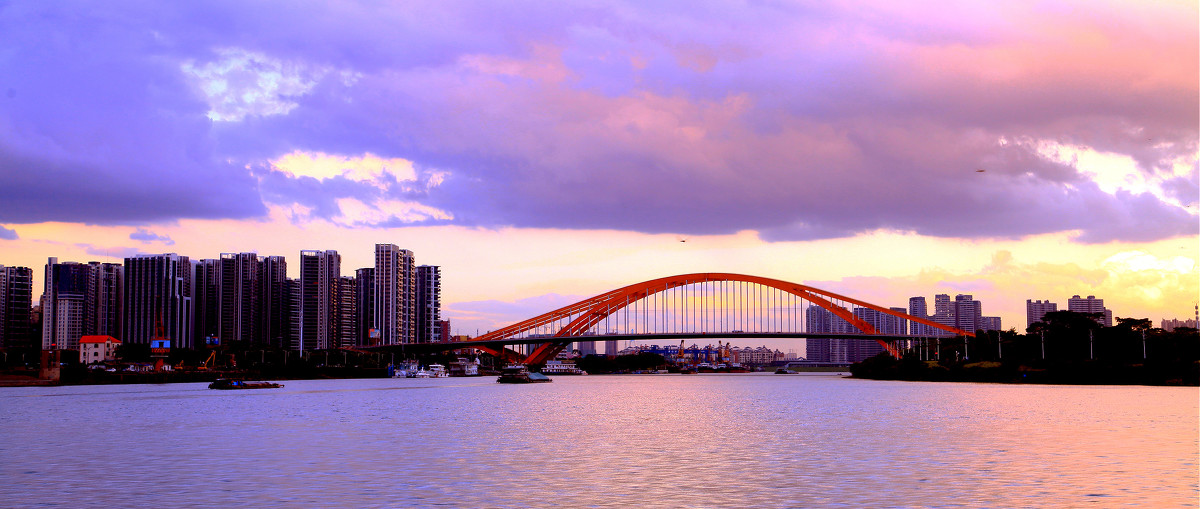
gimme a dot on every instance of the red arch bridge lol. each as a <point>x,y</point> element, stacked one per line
<point>702,305</point>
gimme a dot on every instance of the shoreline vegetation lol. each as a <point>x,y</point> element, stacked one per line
<point>1089,372</point>
<point>1065,348</point>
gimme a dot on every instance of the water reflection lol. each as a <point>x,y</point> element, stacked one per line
<point>602,441</point>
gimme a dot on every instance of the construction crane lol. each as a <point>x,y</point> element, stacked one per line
<point>208,363</point>
<point>681,356</point>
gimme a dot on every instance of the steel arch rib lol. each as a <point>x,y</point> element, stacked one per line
<point>589,312</point>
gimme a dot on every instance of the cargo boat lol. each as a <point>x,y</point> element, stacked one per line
<point>517,374</point>
<point>228,385</point>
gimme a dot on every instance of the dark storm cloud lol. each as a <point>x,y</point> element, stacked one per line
<point>800,122</point>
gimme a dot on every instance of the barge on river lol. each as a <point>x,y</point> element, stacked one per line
<point>227,384</point>
<point>517,374</point>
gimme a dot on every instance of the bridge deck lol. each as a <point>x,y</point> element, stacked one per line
<point>440,347</point>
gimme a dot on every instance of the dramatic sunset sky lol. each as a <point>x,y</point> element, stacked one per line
<point>544,152</point>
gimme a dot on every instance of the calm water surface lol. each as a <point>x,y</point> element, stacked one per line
<point>754,440</point>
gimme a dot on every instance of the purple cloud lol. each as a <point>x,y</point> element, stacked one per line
<point>799,122</point>
<point>146,237</point>
<point>8,234</point>
<point>109,252</point>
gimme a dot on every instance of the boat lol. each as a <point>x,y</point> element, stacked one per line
<point>784,371</point>
<point>737,367</point>
<point>438,371</point>
<point>227,384</point>
<point>705,367</point>
<point>562,368</point>
<point>464,367</point>
<point>407,369</point>
<point>517,374</point>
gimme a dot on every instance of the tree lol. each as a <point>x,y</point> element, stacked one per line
<point>1071,320</point>
<point>1136,324</point>
<point>133,352</point>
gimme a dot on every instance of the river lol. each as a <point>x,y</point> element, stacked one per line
<point>721,440</point>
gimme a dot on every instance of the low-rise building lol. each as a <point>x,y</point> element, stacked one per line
<point>760,356</point>
<point>97,349</point>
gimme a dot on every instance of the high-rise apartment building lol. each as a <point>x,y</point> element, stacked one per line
<point>238,315</point>
<point>274,325</point>
<point>320,272</point>
<point>1091,305</point>
<point>944,313</point>
<point>429,303</point>
<point>239,297</point>
<point>80,300</point>
<point>837,350</point>
<point>1035,310</point>
<point>158,297</point>
<point>967,312</point>
<point>858,350</point>
<point>395,295</point>
<point>106,287</point>
<point>368,334</point>
<point>918,308</point>
<point>990,323</point>
<point>347,312</point>
<point>16,299</point>
<point>291,303</point>
<point>883,323</point>
<point>206,299</point>
<point>64,304</point>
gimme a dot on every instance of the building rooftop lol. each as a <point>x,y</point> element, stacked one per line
<point>98,339</point>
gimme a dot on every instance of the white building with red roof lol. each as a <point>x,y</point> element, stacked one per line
<point>95,349</point>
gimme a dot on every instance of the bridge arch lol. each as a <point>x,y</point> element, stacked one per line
<point>573,322</point>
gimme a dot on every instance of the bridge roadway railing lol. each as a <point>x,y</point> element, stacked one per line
<point>499,344</point>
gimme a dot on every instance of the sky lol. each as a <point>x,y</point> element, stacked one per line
<point>545,152</point>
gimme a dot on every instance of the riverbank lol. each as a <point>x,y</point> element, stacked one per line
<point>82,376</point>
<point>1176,373</point>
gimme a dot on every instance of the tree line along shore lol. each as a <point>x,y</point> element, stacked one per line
<point>1065,348</point>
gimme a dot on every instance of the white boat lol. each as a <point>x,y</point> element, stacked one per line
<point>406,370</point>
<point>562,368</point>
<point>420,373</point>
<point>438,371</point>
<point>464,367</point>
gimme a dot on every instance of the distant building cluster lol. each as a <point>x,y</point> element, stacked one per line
<point>964,312</point>
<point>236,297</point>
<point>747,356</point>
<point>1035,310</point>
<point>1175,323</point>
<point>1171,325</point>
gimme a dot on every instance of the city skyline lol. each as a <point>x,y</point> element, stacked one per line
<point>1017,322</point>
<point>352,327</point>
<point>541,156</point>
